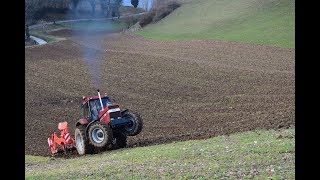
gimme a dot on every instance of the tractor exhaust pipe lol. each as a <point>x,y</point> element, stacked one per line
<point>100,100</point>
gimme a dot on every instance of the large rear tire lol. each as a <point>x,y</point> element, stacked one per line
<point>82,143</point>
<point>100,135</point>
<point>137,123</point>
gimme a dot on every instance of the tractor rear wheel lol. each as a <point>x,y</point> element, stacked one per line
<point>120,140</point>
<point>137,123</point>
<point>82,142</point>
<point>100,135</point>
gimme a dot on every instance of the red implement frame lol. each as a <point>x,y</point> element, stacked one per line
<point>63,142</point>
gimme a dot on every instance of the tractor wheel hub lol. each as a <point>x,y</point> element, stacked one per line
<point>97,135</point>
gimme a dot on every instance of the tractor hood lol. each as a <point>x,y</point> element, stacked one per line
<point>109,109</point>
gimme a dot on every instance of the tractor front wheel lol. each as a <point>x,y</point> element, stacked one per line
<point>100,135</point>
<point>82,142</point>
<point>136,123</point>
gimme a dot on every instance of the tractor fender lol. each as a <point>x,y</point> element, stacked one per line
<point>87,128</point>
<point>82,122</point>
<point>122,112</point>
<point>86,123</point>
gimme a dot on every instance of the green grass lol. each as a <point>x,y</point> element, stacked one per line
<point>88,26</point>
<point>259,154</point>
<point>42,35</point>
<point>107,25</point>
<point>269,22</point>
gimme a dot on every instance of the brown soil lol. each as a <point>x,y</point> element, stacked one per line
<point>182,89</point>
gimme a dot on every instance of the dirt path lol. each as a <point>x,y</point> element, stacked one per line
<point>182,89</point>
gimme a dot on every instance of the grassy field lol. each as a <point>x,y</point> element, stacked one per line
<point>259,154</point>
<point>42,35</point>
<point>108,25</point>
<point>270,22</point>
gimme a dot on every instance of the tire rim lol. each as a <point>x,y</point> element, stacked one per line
<point>130,128</point>
<point>97,135</point>
<point>79,143</point>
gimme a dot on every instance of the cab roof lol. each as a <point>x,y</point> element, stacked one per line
<point>86,99</point>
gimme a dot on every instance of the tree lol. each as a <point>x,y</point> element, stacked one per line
<point>74,4</point>
<point>27,32</point>
<point>158,3</point>
<point>111,7</point>
<point>146,6</point>
<point>115,8</point>
<point>135,3</point>
<point>93,6</point>
<point>31,7</point>
<point>104,4</point>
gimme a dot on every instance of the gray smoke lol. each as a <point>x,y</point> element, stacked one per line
<point>84,33</point>
<point>92,58</point>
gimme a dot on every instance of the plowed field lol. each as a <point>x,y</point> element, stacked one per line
<point>182,89</point>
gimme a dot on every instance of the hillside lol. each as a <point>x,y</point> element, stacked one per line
<point>259,154</point>
<point>212,108</point>
<point>181,91</point>
<point>269,22</point>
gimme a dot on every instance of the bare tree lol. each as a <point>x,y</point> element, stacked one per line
<point>144,4</point>
<point>93,6</point>
<point>115,8</point>
<point>157,3</point>
<point>31,7</point>
<point>105,6</point>
<point>74,4</point>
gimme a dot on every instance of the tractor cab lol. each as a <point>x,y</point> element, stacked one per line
<point>91,107</point>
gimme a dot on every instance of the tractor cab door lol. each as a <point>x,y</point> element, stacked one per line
<point>90,110</point>
<point>86,111</point>
<point>95,107</point>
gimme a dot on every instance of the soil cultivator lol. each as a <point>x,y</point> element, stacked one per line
<point>64,142</point>
<point>103,126</point>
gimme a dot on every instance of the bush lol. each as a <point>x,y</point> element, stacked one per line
<point>130,20</point>
<point>159,13</point>
<point>166,10</point>
<point>147,18</point>
<point>173,5</point>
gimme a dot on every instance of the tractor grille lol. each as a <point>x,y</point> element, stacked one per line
<point>115,115</point>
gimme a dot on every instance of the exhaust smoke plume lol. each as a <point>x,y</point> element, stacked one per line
<point>83,33</point>
<point>92,56</point>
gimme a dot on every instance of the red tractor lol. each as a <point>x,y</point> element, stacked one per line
<point>104,125</point>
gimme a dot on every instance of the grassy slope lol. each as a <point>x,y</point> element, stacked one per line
<point>44,36</point>
<point>260,153</point>
<point>268,22</point>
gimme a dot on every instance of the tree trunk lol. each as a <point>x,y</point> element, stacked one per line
<point>93,6</point>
